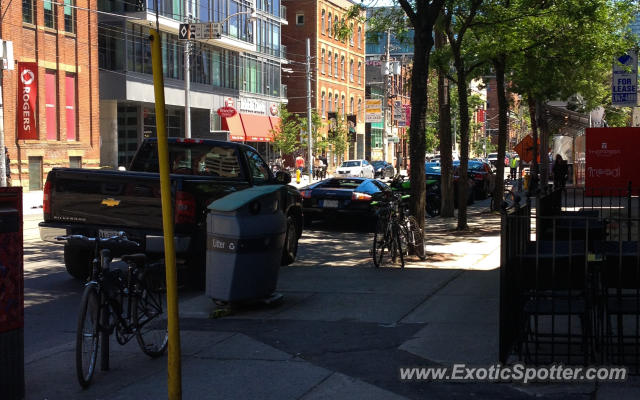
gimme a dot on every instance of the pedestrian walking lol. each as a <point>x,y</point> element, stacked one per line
<point>7,163</point>
<point>300,163</point>
<point>514,167</point>
<point>560,170</point>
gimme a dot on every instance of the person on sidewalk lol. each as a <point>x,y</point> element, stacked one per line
<point>514,167</point>
<point>560,170</point>
<point>300,163</point>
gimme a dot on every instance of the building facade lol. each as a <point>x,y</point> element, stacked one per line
<point>389,80</point>
<point>241,70</point>
<point>337,67</point>
<point>50,97</point>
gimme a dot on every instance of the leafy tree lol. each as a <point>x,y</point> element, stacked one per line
<point>338,136</point>
<point>319,142</point>
<point>286,135</point>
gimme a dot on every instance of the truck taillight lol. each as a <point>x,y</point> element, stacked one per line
<point>46,199</point>
<point>185,212</point>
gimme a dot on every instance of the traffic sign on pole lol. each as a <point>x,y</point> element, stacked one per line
<point>202,30</point>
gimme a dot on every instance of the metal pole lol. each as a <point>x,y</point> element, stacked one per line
<point>174,365</point>
<point>385,93</point>
<point>187,77</point>
<point>309,141</point>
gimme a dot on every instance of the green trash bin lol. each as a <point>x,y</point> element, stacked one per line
<point>245,236</point>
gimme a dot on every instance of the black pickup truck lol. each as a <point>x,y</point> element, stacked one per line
<point>101,202</point>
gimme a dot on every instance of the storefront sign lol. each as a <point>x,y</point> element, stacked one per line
<point>253,106</point>
<point>273,109</point>
<point>226,112</point>
<point>398,111</point>
<point>228,102</point>
<point>611,159</point>
<point>27,101</point>
<point>407,114</point>
<point>373,110</point>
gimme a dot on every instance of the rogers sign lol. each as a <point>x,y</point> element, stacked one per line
<point>28,101</point>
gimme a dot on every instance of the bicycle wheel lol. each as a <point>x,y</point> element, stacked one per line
<point>396,247</point>
<point>87,335</point>
<point>150,316</point>
<point>415,237</point>
<point>381,239</point>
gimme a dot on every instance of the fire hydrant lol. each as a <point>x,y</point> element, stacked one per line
<point>297,176</point>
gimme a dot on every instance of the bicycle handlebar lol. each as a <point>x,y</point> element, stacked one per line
<point>120,239</point>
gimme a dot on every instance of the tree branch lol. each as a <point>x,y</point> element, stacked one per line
<point>406,6</point>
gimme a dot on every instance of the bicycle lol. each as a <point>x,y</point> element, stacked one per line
<point>509,200</point>
<point>131,304</point>
<point>396,231</point>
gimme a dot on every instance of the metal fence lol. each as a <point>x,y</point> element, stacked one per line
<point>570,279</point>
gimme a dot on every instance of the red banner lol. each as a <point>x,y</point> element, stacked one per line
<point>407,114</point>
<point>612,158</point>
<point>27,101</point>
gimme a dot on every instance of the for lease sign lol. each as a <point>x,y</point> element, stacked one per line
<point>27,101</point>
<point>624,87</point>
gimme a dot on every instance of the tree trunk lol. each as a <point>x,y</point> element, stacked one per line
<point>544,153</point>
<point>446,157</point>
<point>503,110</point>
<point>463,193</point>
<point>533,171</point>
<point>422,47</point>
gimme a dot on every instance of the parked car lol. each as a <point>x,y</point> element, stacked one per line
<point>482,176</point>
<point>349,195</point>
<point>383,169</point>
<point>434,174</point>
<point>360,168</point>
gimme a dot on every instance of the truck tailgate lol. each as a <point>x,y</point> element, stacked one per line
<point>107,197</point>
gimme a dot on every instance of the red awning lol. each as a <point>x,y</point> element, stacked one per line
<point>257,128</point>
<point>234,126</point>
<point>275,122</point>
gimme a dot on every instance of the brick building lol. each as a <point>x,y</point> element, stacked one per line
<point>337,67</point>
<point>54,86</point>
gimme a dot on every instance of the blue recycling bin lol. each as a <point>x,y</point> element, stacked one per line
<point>245,236</point>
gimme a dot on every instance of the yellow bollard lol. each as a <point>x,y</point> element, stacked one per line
<point>297,176</point>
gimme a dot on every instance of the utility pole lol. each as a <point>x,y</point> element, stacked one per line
<point>309,141</point>
<point>3,159</point>
<point>187,78</point>
<point>385,70</point>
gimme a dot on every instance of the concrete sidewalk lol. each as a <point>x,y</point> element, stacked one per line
<point>340,333</point>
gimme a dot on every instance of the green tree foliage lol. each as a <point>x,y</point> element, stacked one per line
<point>338,136</point>
<point>286,139</point>
<point>320,143</point>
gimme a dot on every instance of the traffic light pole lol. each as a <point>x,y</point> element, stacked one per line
<point>309,140</point>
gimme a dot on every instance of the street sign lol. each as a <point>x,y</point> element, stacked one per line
<point>373,110</point>
<point>202,30</point>
<point>398,111</point>
<point>624,85</point>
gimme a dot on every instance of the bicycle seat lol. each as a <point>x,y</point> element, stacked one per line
<point>139,259</point>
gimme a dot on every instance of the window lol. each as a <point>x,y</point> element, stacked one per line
<point>359,71</point>
<point>342,66</point>
<point>351,70</point>
<point>351,106</point>
<point>27,11</point>
<point>35,173</point>
<point>322,22</point>
<point>335,64</point>
<point>75,162</point>
<point>257,166</point>
<point>335,103</point>
<point>359,35</point>
<point>50,14</point>
<point>69,16</point>
<point>359,107</point>
<point>329,25</point>
<point>335,27</point>
<point>70,104</point>
<point>351,36</point>
<point>322,60</point>
<point>299,19</point>
<point>330,65</point>
<point>51,115</point>
<point>330,103</point>
<point>342,105</point>
<point>322,106</point>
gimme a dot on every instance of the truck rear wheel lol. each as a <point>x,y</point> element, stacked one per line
<point>77,260</point>
<point>290,249</point>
